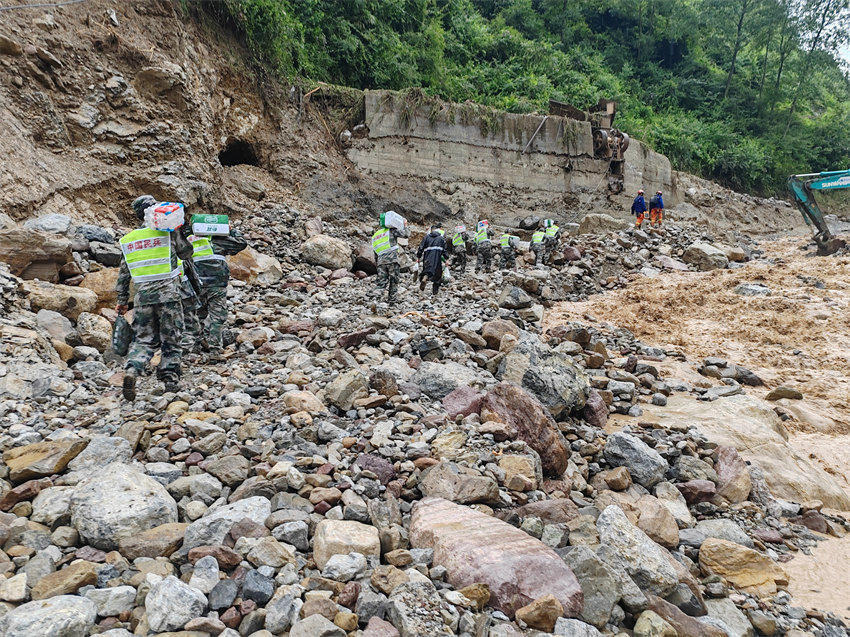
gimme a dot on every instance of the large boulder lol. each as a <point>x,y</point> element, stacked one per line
<point>644,463</point>
<point>549,376</point>
<point>341,537</point>
<point>32,255</point>
<point>41,459</point>
<point>529,421</point>
<point>476,548</point>
<point>705,256</point>
<point>626,547</point>
<point>446,480</point>
<point>61,616</point>
<point>742,567</point>
<point>119,502</point>
<point>255,267</point>
<point>211,529</point>
<point>364,258</point>
<point>170,604</point>
<point>59,327</point>
<point>53,223</point>
<point>102,283</point>
<point>327,252</point>
<point>68,301</point>
<point>438,380</point>
<point>599,223</point>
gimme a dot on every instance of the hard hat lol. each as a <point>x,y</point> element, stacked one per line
<point>141,203</point>
<point>640,192</point>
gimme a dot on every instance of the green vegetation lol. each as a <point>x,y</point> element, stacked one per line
<point>742,91</point>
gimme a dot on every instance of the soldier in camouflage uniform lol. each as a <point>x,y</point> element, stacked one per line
<point>191,303</point>
<point>385,246</point>
<point>150,260</point>
<point>508,244</point>
<point>208,258</point>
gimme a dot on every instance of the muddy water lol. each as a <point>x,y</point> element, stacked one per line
<point>798,336</point>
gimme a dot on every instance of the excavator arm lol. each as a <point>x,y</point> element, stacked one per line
<point>802,187</point>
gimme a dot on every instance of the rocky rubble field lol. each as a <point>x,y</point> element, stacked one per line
<point>353,469</point>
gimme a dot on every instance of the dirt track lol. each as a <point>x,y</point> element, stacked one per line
<point>798,336</point>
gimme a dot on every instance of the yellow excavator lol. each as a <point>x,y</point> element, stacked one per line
<point>802,188</point>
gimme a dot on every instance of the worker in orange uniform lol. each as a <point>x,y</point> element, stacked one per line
<point>639,209</point>
<point>656,210</point>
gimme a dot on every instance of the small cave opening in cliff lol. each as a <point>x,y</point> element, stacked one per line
<point>238,152</point>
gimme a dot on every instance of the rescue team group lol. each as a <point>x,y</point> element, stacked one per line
<point>180,275</point>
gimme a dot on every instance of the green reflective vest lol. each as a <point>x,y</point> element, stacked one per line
<point>202,249</point>
<point>457,240</point>
<point>148,254</point>
<point>551,231</point>
<point>481,237</point>
<point>537,237</point>
<point>505,240</point>
<point>381,241</point>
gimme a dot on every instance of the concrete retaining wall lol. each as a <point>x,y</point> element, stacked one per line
<point>463,142</point>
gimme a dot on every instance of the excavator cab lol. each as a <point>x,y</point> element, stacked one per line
<point>802,189</point>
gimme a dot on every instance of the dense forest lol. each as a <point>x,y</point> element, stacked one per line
<point>745,92</point>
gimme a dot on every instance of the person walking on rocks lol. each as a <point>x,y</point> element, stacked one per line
<point>385,245</point>
<point>639,209</point>
<point>483,247</point>
<point>553,237</point>
<point>537,245</point>
<point>432,253</point>
<point>209,254</point>
<point>656,209</point>
<point>459,240</point>
<point>508,244</point>
<point>150,262</point>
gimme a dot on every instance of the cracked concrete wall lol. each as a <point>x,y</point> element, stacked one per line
<point>451,143</point>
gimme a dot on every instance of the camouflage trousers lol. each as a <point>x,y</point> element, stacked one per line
<point>214,302</point>
<point>157,327</point>
<point>459,260</point>
<point>549,247</point>
<point>484,258</point>
<point>192,334</point>
<point>508,258</point>
<point>539,252</point>
<point>388,277</point>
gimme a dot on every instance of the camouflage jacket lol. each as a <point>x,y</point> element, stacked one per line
<point>391,256</point>
<point>154,292</point>
<point>216,273</point>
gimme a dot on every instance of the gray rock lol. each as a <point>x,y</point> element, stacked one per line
<point>344,568</point>
<point>100,452</point>
<point>282,613</point>
<point>514,298</point>
<point>724,529</point>
<point>438,380</point>
<point>119,502</point>
<point>447,480</point>
<point>705,256</point>
<point>257,587</point>
<point>222,595</point>
<point>51,504</point>
<point>108,254</point>
<point>95,233</point>
<point>346,388</point>
<point>61,616</point>
<point>294,533</point>
<point>549,376</point>
<point>625,545</point>
<point>414,609</point>
<point>163,472</point>
<point>752,289</point>
<point>51,224</point>
<point>370,604</point>
<point>205,576</point>
<point>213,527</point>
<point>691,537</point>
<point>58,326</point>
<point>690,468</point>
<point>574,628</point>
<point>111,602</point>
<point>645,465</point>
<point>170,604</point>
<point>316,626</point>
<point>598,583</point>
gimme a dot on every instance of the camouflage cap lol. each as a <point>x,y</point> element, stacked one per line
<point>141,203</point>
